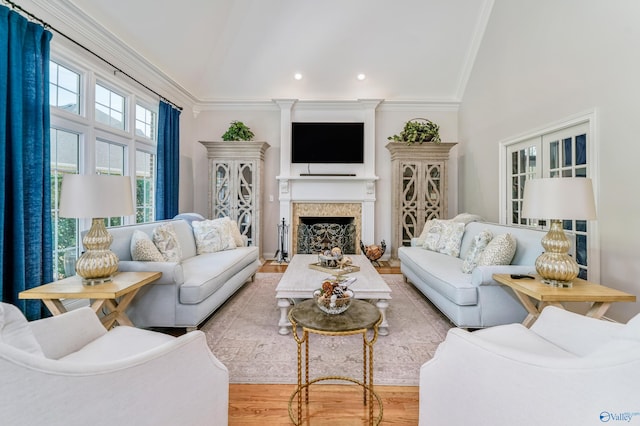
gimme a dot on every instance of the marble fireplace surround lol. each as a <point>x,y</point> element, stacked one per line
<point>329,210</point>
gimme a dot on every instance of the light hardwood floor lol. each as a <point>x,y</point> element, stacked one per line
<point>333,405</point>
<point>330,405</point>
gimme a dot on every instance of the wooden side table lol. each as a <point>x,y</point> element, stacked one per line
<point>535,295</point>
<point>360,318</point>
<point>113,296</point>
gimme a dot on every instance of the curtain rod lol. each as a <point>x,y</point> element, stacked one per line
<point>46,25</point>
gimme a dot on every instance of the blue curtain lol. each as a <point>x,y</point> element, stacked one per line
<point>26,244</point>
<point>167,181</point>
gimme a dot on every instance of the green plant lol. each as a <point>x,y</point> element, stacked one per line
<point>418,130</point>
<point>238,131</point>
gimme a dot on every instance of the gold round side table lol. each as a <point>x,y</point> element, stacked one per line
<point>361,318</point>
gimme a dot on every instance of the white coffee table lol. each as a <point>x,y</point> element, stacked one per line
<point>299,282</point>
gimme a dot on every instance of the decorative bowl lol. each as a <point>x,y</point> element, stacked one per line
<point>333,305</point>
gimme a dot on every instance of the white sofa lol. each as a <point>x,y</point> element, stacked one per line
<point>189,291</point>
<point>68,370</point>
<point>566,370</point>
<point>473,300</point>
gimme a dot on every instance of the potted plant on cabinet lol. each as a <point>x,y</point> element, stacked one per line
<point>418,130</point>
<point>238,131</point>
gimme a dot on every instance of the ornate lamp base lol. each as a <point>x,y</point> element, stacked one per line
<point>97,264</point>
<point>555,266</point>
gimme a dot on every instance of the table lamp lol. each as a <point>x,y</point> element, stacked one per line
<point>96,197</point>
<point>556,199</point>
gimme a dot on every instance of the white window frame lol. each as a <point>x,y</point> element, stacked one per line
<point>92,71</point>
<point>588,118</point>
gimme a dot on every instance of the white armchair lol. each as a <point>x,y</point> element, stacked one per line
<point>68,370</point>
<point>567,369</point>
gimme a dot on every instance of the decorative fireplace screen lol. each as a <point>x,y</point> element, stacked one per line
<point>318,234</point>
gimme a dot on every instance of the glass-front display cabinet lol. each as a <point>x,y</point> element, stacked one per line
<point>236,173</point>
<point>419,182</point>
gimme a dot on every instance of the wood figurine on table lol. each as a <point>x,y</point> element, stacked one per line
<point>373,252</point>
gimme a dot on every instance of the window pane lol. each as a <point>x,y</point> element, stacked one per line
<point>109,107</point>
<point>581,149</point>
<point>64,159</point>
<point>567,152</point>
<point>145,181</point>
<point>145,123</point>
<point>64,88</point>
<point>554,154</point>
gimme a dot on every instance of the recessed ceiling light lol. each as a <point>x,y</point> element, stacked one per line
<point>361,76</point>
<point>297,76</point>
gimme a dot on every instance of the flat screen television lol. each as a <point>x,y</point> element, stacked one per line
<point>313,142</point>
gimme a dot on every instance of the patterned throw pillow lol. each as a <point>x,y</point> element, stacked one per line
<point>143,249</point>
<point>499,251</point>
<point>166,240</point>
<point>423,235</point>
<point>213,235</point>
<point>478,245</point>
<point>444,236</point>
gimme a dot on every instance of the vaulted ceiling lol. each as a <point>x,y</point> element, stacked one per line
<point>250,49</point>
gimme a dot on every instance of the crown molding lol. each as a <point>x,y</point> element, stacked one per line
<point>74,23</point>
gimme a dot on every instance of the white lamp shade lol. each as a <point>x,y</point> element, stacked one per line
<point>559,198</point>
<point>94,196</point>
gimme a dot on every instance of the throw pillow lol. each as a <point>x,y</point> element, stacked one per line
<point>213,235</point>
<point>450,238</point>
<point>423,235</point>
<point>499,251</point>
<point>235,233</point>
<point>166,240</point>
<point>143,249</point>
<point>15,330</point>
<point>444,236</point>
<point>478,245</point>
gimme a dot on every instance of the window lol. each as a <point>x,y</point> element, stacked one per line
<point>565,150</point>
<point>146,123</point>
<point>64,88</point>
<point>100,143</point>
<point>109,107</point>
<point>65,158</point>
<point>145,186</point>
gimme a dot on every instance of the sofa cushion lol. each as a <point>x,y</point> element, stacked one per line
<point>143,249</point>
<point>15,330</point>
<point>213,235</point>
<point>443,273</point>
<point>445,237</point>
<point>119,343</point>
<point>499,251</point>
<point>165,238</point>
<point>206,273</point>
<point>479,244</point>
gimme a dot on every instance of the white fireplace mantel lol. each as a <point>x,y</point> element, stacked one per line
<point>328,183</point>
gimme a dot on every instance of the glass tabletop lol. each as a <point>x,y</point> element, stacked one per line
<point>360,315</point>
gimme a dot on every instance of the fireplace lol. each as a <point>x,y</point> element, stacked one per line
<point>316,226</point>
<point>317,234</point>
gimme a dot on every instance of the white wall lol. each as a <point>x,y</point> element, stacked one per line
<point>542,61</point>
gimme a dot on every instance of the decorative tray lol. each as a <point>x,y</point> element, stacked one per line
<point>334,271</point>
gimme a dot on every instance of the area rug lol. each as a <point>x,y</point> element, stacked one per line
<point>243,335</point>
